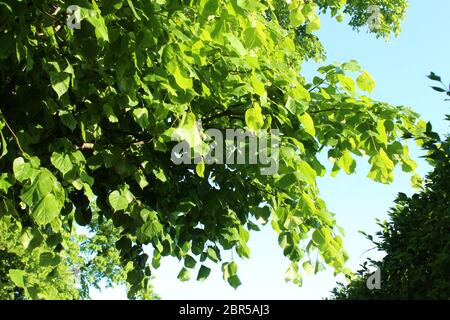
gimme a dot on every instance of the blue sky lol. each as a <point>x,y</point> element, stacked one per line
<point>399,68</point>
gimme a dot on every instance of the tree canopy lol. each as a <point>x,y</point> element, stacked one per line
<point>87,117</point>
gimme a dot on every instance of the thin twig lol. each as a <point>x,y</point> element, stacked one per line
<point>14,135</point>
<point>51,16</point>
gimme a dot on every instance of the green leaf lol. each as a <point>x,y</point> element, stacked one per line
<point>318,238</point>
<point>3,145</point>
<point>109,112</point>
<point>61,161</point>
<point>286,181</point>
<point>130,3</point>
<point>346,162</point>
<point>152,229</point>
<point>299,92</point>
<point>229,269</point>
<point>159,173</point>
<point>254,118</point>
<point>156,261</point>
<point>438,89</point>
<point>416,181</point>
<point>292,272</point>
<point>97,21</point>
<point>22,170</point>
<point>17,277</point>
<point>189,131</point>
<point>296,18</point>
<point>234,281</point>
<point>308,123</point>
<point>308,204</point>
<point>434,77</point>
<point>295,106</point>
<point>365,82</point>
<point>309,10</point>
<point>31,239</point>
<point>60,82</point>
<point>313,25</point>
<point>189,262</point>
<point>347,82</point>
<point>140,115</point>
<point>258,86</point>
<point>48,259</point>
<point>210,8</point>
<point>219,28</point>
<point>68,119</point>
<point>184,275</point>
<point>243,250</point>
<point>203,273</point>
<point>306,173</point>
<point>41,186</point>
<point>382,136</point>
<point>45,183</point>
<point>182,79</point>
<point>236,44</point>
<point>308,267</point>
<point>141,179</point>
<point>200,169</point>
<point>352,66</point>
<point>4,183</point>
<point>47,210</point>
<point>382,167</point>
<point>254,37</point>
<point>212,254</point>
<point>118,201</point>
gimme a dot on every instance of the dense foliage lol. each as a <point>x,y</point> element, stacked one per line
<point>87,117</point>
<point>416,239</point>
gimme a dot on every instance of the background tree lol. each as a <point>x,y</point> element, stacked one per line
<point>416,239</point>
<point>87,117</point>
<point>42,267</point>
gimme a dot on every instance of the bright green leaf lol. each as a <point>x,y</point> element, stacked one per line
<point>118,201</point>
<point>365,82</point>
<point>308,123</point>
<point>61,161</point>
<point>47,210</point>
<point>254,118</point>
<point>18,277</point>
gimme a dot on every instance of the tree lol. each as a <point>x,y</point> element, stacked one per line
<point>39,266</point>
<point>102,103</point>
<point>416,238</point>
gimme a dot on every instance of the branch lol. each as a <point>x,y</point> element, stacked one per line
<point>90,145</point>
<point>227,112</point>
<point>86,146</point>
<point>317,85</point>
<point>332,109</point>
